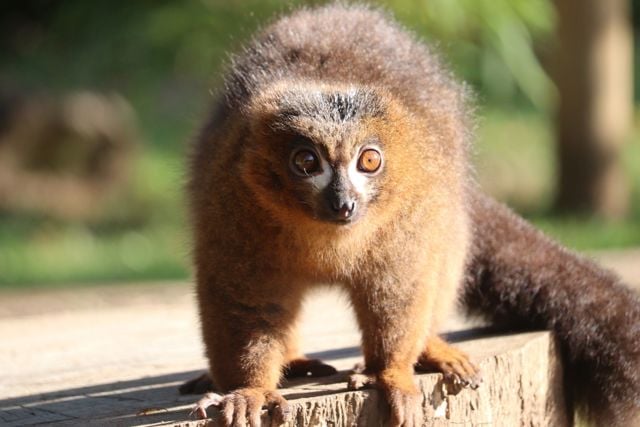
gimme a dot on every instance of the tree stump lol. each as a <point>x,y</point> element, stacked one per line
<point>522,386</point>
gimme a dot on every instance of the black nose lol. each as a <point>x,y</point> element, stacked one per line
<point>344,208</point>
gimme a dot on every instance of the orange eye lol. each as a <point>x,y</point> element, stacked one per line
<point>370,161</point>
<point>305,162</point>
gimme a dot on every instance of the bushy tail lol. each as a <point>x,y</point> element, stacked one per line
<point>521,279</point>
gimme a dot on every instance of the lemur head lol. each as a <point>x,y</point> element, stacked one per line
<point>324,152</point>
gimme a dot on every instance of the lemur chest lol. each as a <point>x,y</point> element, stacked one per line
<point>322,259</point>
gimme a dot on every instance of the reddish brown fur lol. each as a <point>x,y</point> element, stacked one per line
<point>339,76</point>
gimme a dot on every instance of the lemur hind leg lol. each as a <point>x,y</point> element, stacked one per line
<point>298,365</point>
<point>305,367</point>
<point>198,385</point>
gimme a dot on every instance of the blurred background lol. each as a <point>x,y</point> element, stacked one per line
<point>99,100</point>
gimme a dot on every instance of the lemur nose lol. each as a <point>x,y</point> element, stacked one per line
<point>344,209</point>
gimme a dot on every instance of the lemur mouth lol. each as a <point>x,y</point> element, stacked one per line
<point>339,220</point>
<point>343,221</point>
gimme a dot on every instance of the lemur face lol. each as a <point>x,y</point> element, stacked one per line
<point>335,187</point>
<point>318,152</point>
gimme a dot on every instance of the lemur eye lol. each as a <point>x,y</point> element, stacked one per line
<point>370,160</point>
<point>305,162</point>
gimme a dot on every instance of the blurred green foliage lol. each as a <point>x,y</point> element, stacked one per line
<point>165,55</point>
<point>39,251</point>
<point>493,44</point>
<point>166,58</point>
<point>152,244</point>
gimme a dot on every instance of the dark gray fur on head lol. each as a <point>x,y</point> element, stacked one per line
<point>332,106</point>
<point>347,45</point>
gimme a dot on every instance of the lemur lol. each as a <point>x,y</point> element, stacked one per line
<point>337,154</point>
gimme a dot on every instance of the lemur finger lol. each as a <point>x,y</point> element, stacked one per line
<point>254,412</point>
<point>228,409</point>
<point>279,408</point>
<point>240,410</point>
<point>209,399</point>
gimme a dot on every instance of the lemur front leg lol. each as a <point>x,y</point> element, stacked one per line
<point>297,365</point>
<point>393,319</point>
<point>245,338</point>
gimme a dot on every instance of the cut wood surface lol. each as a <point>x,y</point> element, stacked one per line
<point>116,355</point>
<point>522,387</point>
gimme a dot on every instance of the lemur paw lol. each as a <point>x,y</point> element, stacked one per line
<point>303,367</point>
<point>406,407</point>
<point>244,406</point>
<point>453,363</point>
<point>404,399</point>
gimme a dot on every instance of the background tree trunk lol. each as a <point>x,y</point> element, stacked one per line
<point>593,73</point>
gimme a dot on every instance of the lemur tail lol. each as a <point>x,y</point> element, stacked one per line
<point>521,279</point>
